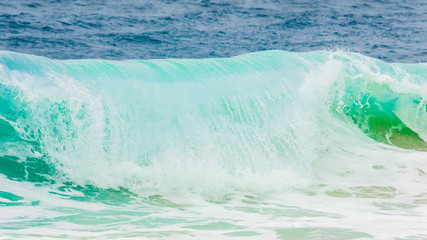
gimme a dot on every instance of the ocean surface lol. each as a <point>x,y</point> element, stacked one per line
<point>213,119</point>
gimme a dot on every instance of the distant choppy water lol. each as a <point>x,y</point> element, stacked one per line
<point>389,30</point>
<point>294,143</point>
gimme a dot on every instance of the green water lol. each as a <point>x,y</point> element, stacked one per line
<point>274,145</point>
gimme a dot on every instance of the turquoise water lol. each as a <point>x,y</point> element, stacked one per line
<point>272,145</point>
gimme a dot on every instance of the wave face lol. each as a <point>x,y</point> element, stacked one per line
<point>183,125</point>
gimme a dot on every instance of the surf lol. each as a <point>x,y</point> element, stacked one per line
<point>179,125</point>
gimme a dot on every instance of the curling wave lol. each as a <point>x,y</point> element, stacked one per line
<point>183,124</point>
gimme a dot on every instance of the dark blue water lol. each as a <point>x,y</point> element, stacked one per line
<point>394,31</point>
